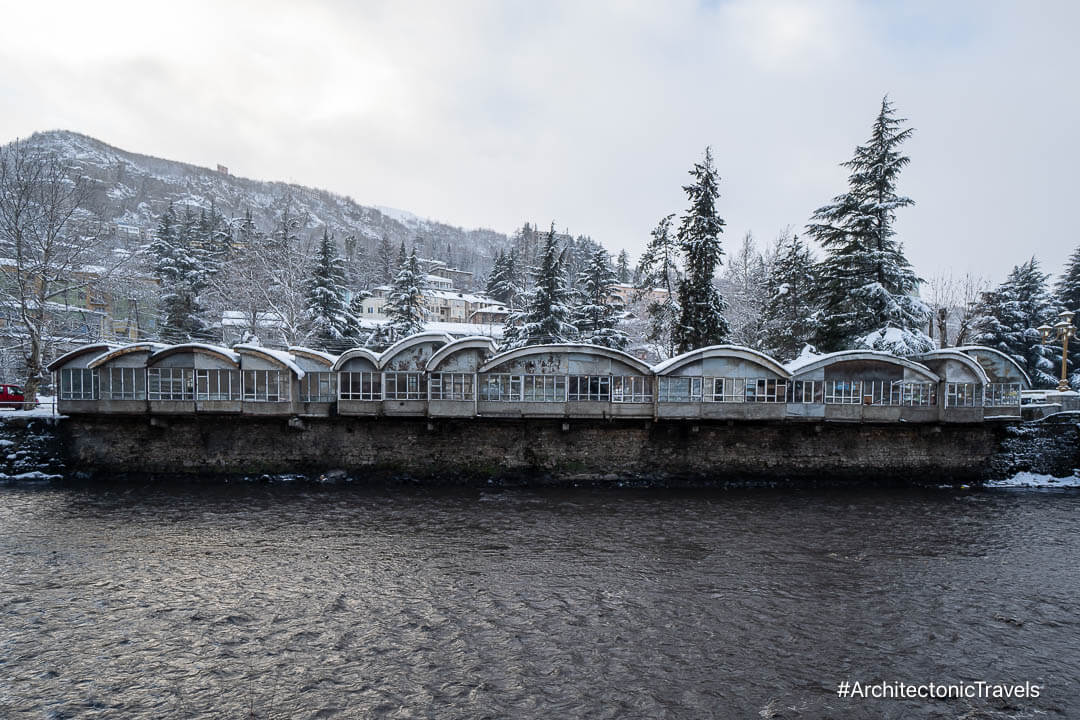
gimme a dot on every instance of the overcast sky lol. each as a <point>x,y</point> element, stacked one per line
<point>584,112</point>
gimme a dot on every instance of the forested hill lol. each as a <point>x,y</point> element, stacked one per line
<point>135,189</point>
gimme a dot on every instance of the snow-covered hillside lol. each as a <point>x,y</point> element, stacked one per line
<point>134,189</point>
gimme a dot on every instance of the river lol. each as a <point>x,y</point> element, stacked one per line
<point>305,601</point>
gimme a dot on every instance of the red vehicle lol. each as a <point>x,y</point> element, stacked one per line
<point>11,396</point>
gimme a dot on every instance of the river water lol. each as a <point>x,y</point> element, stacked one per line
<point>301,601</point>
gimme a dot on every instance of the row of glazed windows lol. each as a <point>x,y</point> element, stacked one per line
<point>176,384</point>
<point>186,384</point>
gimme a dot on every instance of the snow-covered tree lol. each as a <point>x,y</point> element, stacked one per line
<point>405,303</point>
<point>868,291</point>
<point>1068,295</point>
<point>180,267</point>
<point>952,301</point>
<point>623,273</point>
<point>505,281</point>
<point>329,313</point>
<point>701,307</point>
<point>744,288</point>
<point>384,261</point>
<point>545,316</point>
<point>787,320</point>
<point>1009,319</point>
<point>45,214</point>
<point>596,315</point>
<point>658,282</point>
<point>1068,285</point>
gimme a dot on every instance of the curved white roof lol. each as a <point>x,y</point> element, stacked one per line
<point>598,350</point>
<point>360,352</point>
<point>223,353</point>
<point>146,347</point>
<point>320,355</point>
<point>477,342</point>
<point>78,352</point>
<point>953,354</point>
<point>813,362</point>
<point>388,354</point>
<point>278,356</point>
<point>994,351</point>
<point>720,351</point>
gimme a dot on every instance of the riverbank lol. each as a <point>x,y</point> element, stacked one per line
<point>628,454</point>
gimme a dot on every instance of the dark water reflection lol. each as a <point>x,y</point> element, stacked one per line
<point>301,602</point>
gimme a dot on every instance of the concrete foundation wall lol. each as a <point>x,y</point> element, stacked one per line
<point>694,451</point>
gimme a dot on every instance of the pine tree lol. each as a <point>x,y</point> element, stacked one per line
<point>384,265</point>
<point>1068,295</point>
<point>622,268</point>
<point>180,269</point>
<point>504,283</point>
<point>1009,319</point>
<point>1068,285</point>
<point>596,315</point>
<point>868,289</point>
<point>787,321</point>
<point>405,303</point>
<point>701,308</point>
<point>658,281</point>
<point>329,314</point>
<point>546,316</point>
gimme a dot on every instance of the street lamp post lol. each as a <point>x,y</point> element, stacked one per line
<point>1061,331</point>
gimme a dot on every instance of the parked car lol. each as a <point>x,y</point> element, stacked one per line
<point>11,396</point>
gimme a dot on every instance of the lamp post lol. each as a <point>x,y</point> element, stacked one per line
<point>1061,331</point>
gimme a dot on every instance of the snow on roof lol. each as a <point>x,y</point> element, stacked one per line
<point>458,295</point>
<point>803,362</point>
<point>720,351</point>
<point>203,347</point>
<point>456,329</point>
<point>298,350</point>
<point>232,318</point>
<point>282,356</point>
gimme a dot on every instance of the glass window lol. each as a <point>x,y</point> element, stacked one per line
<point>360,385</point>
<point>78,384</point>
<point>680,389</point>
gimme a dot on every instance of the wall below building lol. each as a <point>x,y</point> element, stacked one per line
<point>446,450</point>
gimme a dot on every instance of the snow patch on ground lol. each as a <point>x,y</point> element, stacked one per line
<point>46,408</point>
<point>1036,480</point>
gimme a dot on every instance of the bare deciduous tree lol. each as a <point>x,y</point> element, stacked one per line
<point>45,237</point>
<point>952,300</point>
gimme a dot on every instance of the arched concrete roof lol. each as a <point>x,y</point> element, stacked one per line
<point>359,352</point>
<point>78,352</point>
<point>801,367</point>
<point>212,350</point>
<point>473,342</point>
<point>404,343</point>
<point>316,355</point>
<point>146,347</point>
<point>567,348</point>
<point>964,359</point>
<point>721,351</point>
<point>994,351</point>
<point>277,357</point>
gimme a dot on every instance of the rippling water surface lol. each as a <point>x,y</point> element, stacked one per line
<point>278,601</point>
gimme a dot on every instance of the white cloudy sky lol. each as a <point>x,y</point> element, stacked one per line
<point>585,112</point>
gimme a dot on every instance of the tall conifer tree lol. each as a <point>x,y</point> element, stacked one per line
<point>596,316</point>
<point>546,316</point>
<point>868,291</point>
<point>1009,319</point>
<point>701,307</point>
<point>405,304</point>
<point>330,320</point>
